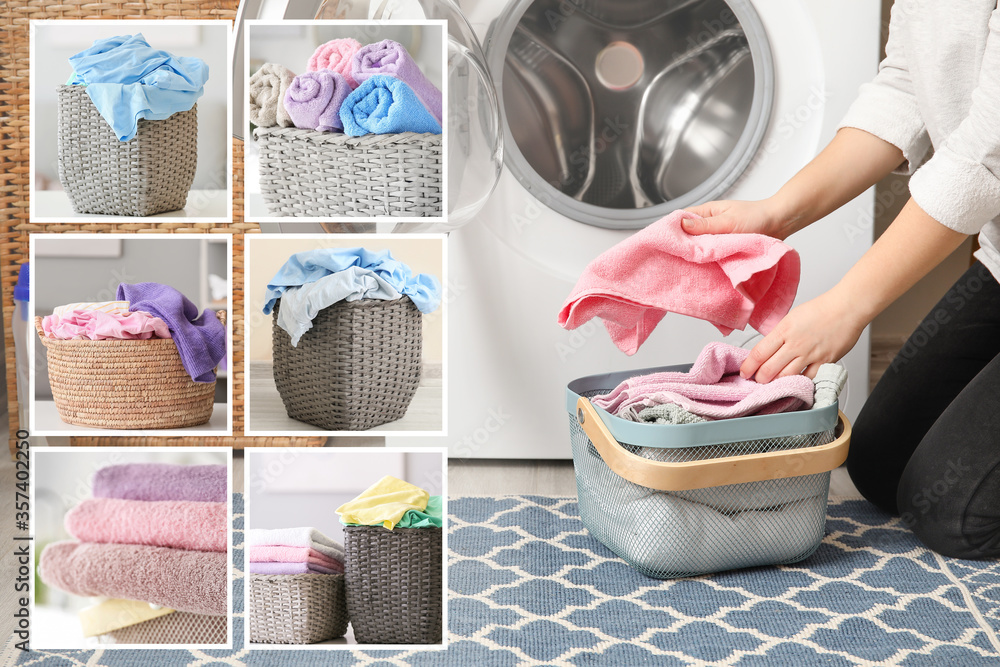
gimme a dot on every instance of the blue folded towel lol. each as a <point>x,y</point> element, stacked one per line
<point>383,105</point>
<point>127,80</point>
<point>310,266</point>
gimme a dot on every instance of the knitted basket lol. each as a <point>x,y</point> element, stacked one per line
<point>324,174</point>
<point>358,367</point>
<point>297,608</point>
<point>148,174</point>
<point>180,627</point>
<point>125,384</point>
<point>394,580</point>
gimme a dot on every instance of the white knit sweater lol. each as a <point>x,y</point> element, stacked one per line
<point>939,86</point>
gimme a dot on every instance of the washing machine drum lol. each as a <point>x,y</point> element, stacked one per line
<point>617,112</point>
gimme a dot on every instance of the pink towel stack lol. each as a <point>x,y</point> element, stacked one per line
<point>170,551</point>
<point>293,551</point>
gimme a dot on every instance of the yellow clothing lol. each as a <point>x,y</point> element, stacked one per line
<point>115,614</point>
<point>386,501</point>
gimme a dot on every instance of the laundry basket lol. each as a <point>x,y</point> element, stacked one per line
<point>180,627</point>
<point>394,580</point>
<point>297,608</point>
<point>125,384</point>
<point>677,500</point>
<point>358,367</point>
<point>325,174</point>
<point>148,174</point>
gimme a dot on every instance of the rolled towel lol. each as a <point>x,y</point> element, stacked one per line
<point>267,95</point>
<point>177,524</point>
<point>391,58</point>
<point>291,568</point>
<point>195,581</point>
<point>277,554</point>
<point>314,98</point>
<point>383,105</point>
<point>295,537</point>
<point>161,481</point>
<point>336,55</point>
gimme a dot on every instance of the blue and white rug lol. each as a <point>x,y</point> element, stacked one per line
<point>529,586</point>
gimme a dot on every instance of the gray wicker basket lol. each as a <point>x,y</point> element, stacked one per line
<point>180,627</point>
<point>394,580</point>
<point>297,608</point>
<point>151,173</point>
<point>324,174</point>
<point>358,367</point>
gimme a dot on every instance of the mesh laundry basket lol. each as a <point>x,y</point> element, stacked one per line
<point>324,174</point>
<point>148,174</point>
<point>688,499</point>
<point>358,367</point>
<point>297,608</point>
<point>180,627</point>
<point>125,384</point>
<point>394,580</point>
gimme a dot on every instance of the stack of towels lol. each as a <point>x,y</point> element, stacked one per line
<point>393,503</point>
<point>293,551</point>
<point>142,311</point>
<point>349,88</point>
<point>152,532</point>
<point>316,279</point>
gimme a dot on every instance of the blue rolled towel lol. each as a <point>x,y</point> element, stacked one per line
<point>384,105</point>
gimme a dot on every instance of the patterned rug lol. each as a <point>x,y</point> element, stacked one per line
<point>529,586</point>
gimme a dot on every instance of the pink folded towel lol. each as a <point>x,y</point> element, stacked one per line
<point>729,280</point>
<point>178,524</point>
<point>290,568</point>
<point>101,325</point>
<point>712,389</point>
<point>195,581</point>
<point>282,554</point>
<point>336,55</point>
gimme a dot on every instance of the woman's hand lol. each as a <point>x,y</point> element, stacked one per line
<point>817,332</point>
<point>740,217</point>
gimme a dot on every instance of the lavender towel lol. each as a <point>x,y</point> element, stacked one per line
<point>162,481</point>
<point>289,568</point>
<point>314,98</point>
<point>385,105</point>
<point>200,339</point>
<point>392,59</point>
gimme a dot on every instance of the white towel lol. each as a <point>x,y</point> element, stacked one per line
<point>295,537</point>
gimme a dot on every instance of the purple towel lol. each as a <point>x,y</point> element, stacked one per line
<point>289,568</point>
<point>392,59</point>
<point>200,340</point>
<point>161,481</point>
<point>314,98</point>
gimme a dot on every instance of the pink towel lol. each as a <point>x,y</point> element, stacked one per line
<point>729,280</point>
<point>195,581</point>
<point>281,554</point>
<point>99,325</point>
<point>712,389</point>
<point>336,55</point>
<point>291,568</point>
<point>179,524</point>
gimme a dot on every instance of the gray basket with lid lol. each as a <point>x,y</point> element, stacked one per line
<point>677,500</point>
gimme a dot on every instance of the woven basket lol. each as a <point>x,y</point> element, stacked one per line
<point>324,174</point>
<point>125,384</point>
<point>297,608</point>
<point>180,627</point>
<point>148,174</point>
<point>358,367</point>
<point>394,582</point>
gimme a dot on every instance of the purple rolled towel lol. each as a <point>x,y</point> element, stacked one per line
<point>314,98</point>
<point>289,568</point>
<point>161,481</point>
<point>195,581</point>
<point>392,59</point>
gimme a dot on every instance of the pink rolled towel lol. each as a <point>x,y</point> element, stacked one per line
<point>729,280</point>
<point>712,389</point>
<point>100,325</point>
<point>178,524</point>
<point>282,554</point>
<point>392,59</point>
<point>314,98</point>
<point>195,581</point>
<point>336,55</point>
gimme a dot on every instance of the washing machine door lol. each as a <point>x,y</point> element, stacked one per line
<point>617,112</point>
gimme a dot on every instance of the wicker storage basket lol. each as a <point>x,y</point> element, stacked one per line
<point>180,627</point>
<point>125,384</point>
<point>297,608</point>
<point>677,500</point>
<point>358,367</point>
<point>325,174</point>
<point>148,174</point>
<point>394,580</point>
